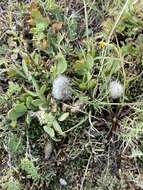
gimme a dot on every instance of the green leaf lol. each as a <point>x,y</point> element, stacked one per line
<point>25,68</point>
<point>57,128</point>
<point>13,124</point>
<point>90,61</point>
<point>112,66</point>
<point>91,83</point>
<point>63,116</point>
<point>41,26</point>
<point>46,118</point>
<point>80,67</point>
<point>29,101</point>
<point>83,85</point>
<point>34,94</point>
<point>84,65</point>
<point>41,22</point>
<point>43,89</point>
<point>49,131</point>
<point>49,119</point>
<point>37,102</point>
<point>25,62</point>
<point>17,71</point>
<point>17,111</point>
<point>61,64</point>
<point>35,85</point>
<point>28,119</point>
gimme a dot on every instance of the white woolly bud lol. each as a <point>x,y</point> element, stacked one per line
<point>48,149</point>
<point>61,88</point>
<point>115,89</point>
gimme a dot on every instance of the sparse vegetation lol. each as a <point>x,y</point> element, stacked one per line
<point>66,122</point>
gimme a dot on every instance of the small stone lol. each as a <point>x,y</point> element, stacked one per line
<point>62,182</point>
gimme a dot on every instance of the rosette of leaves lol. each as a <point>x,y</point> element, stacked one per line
<point>83,68</point>
<point>50,124</point>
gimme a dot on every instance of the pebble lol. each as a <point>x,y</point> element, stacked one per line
<point>62,182</point>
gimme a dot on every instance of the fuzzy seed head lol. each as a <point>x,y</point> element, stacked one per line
<point>48,150</point>
<point>115,89</point>
<point>61,88</point>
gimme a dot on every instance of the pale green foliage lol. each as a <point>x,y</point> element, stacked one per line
<point>49,131</point>
<point>14,144</point>
<point>132,129</point>
<point>12,184</point>
<point>83,67</point>
<point>61,64</point>
<point>28,166</point>
<point>72,26</point>
<point>50,123</point>
<point>57,128</point>
<point>107,181</point>
<point>64,116</point>
<point>51,5</point>
<point>17,111</point>
<point>41,24</point>
<point>49,39</point>
<point>136,153</point>
<point>13,88</point>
